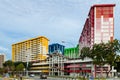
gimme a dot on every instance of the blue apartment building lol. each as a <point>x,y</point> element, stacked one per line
<point>56,48</point>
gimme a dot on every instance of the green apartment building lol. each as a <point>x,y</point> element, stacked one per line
<point>72,52</point>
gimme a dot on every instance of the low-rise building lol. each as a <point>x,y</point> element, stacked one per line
<point>59,65</point>
<point>56,64</point>
<point>40,67</point>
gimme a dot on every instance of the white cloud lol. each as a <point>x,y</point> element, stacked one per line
<point>56,19</point>
<point>3,49</point>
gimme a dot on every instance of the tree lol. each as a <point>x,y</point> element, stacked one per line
<point>20,67</point>
<point>85,52</point>
<point>117,61</point>
<point>1,71</point>
<point>17,63</point>
<point>103,53</point>
<point>29,65</point>
<point>98,55</point>
<point>112,47</point>
<point>9,66</point>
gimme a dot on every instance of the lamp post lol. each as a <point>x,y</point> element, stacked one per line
<point>24,72</point>
<point>73,54</point>
<point>27,66</point>
<point>27,61</point>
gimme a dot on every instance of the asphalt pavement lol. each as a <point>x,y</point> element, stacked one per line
<point>52,78</point>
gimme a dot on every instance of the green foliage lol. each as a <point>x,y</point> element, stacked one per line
<point>85,52</point>
<point>20,67</point>
<point>103,53</point>
<point>8,63</point>
<point>1,70</point>
<point>8,66</point>
<point>29,65</point>
<point>98,54</point>
<point>17,63</point>
<point>24,63</point>
<point>117,61</point>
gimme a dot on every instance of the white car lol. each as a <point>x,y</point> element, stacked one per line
<point>32,75</point>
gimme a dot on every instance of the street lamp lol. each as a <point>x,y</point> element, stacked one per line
<point>27,66</point>
<point>73,53</point>
<point>27,61</point>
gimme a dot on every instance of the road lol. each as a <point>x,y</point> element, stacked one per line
<point>51,78</point>
<point>37,78</point>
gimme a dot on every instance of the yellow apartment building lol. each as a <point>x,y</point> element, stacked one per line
<point>30,50</point>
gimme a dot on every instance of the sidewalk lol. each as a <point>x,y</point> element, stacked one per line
<point>14,79</point>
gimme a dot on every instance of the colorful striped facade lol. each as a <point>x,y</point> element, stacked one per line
<point>99,26</point>
<point>31,50</point>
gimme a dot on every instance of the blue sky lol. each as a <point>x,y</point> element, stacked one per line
<point>56,19</point>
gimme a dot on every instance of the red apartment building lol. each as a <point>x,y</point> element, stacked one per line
<point>99,27</point>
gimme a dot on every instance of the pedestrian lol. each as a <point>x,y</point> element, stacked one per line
<point>91,77</point>
<point>20,76</point>
<point>14,76</point>
<point>6,76</point>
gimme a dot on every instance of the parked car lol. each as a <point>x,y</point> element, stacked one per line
<point>43,76</point>
<point>32,75</point>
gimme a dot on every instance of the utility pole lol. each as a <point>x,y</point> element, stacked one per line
<point>27,61</point>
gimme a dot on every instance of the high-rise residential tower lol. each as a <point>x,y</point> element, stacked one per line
<point>2,59</point>
<point>99,26</point>
<point>30,50</point>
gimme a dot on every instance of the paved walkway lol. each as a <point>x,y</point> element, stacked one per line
<point>14,79</point>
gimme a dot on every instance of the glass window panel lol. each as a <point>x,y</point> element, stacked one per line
<point>104,27</point>
<point>105,34</point>
<point>104,30</point>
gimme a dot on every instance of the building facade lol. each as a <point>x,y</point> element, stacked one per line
<point>30,50</point>
<point>56,64</point>
<point>53,65</point>
<point>72,52</point>
<point>40,67</point>
<point>56,48</point>
<point>2,60</point>
<point>99,26</point>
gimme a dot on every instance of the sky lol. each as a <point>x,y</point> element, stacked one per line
<point>58,20</point>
